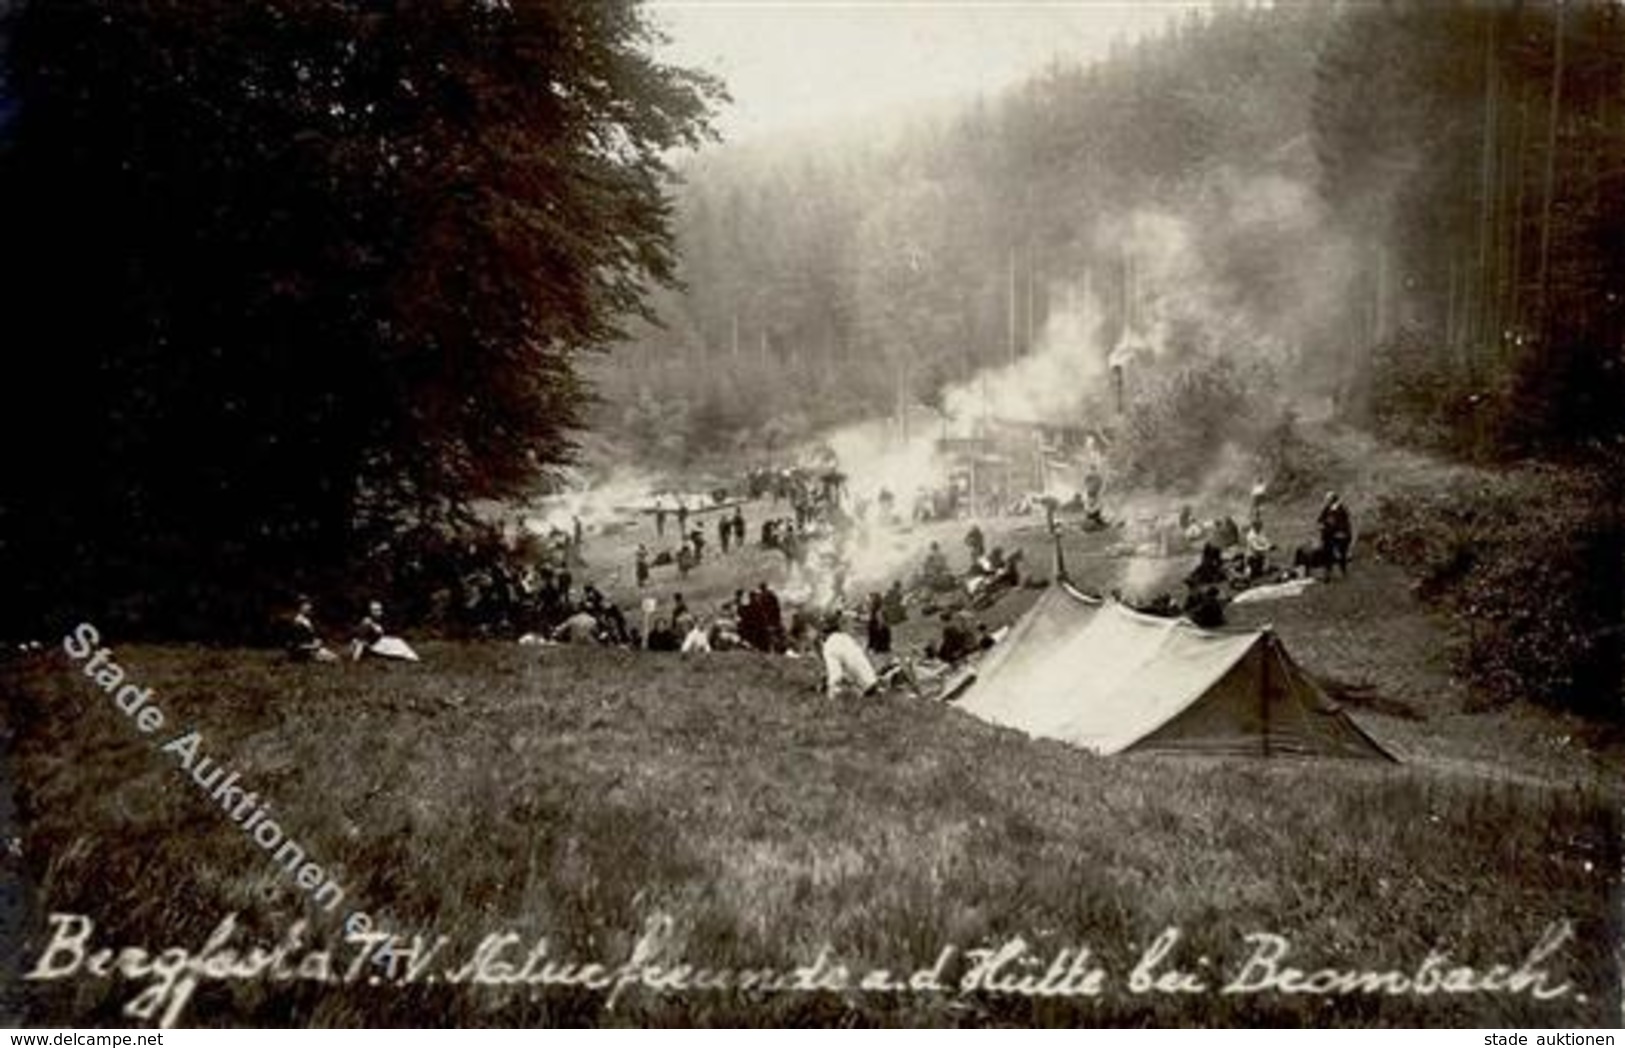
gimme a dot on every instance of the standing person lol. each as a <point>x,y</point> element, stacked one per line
<point>1259,490</point>
<point>1336,534</point>
<point>976,543</point>
<point>879,628</point>
<point>660,517</point>
<point>1093,485</point>
<point>576,534</point>
<point>649,607</point>
<point>725,532</point>
<point>682,517</point>
<point>750,623</point>
<point>681,617</point>
<point>893,604</point>
<point>640,565</point>
<point>770,618</point>
<point>1258,549</point>
<point>697,540</point>
<point>739,527</point>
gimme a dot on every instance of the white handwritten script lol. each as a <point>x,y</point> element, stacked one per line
<point>171,975</point>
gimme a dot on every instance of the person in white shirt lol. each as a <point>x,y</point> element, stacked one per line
<point>844,661</point>
<point>1258,550</point>
<point>697,640</point>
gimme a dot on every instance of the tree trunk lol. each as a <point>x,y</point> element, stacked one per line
<point>1485,325</point>
<point>1554,115</point>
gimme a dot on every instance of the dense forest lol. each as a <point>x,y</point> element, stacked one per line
<point>295,277</point>
<point>1413,209</point>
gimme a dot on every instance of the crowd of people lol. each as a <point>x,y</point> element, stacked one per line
<point>1230,560</point>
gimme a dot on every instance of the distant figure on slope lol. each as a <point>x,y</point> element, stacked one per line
<point>770,619</point>
<point>739,527</point>
<point>935,570</point>
<point>682,517</point>
<point>1093,485</point>
<point>1336,534</point>
<point>725,533</point>
<point>646,627</point>
<point>879,628</point>
<point>1258,547</point>
<point>660,517</point>
<point>976,544</point>
<point>640,565</point>
<point>895,609</point>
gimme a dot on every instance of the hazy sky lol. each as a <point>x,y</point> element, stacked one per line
<point>795,63</point>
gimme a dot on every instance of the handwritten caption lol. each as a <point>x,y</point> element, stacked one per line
<point>1013,968</point>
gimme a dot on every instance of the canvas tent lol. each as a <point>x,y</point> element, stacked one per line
<point>1108,679</point>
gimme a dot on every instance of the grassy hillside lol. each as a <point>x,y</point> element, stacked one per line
<point>578,793</point>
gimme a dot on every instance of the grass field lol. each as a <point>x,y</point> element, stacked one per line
<point>577,793</point>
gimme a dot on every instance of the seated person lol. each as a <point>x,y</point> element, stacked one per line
<point>935,571</point>
<point>662,638</point>
<point>845,664</point>
<point>370,638</point>
<point>957,639</point>
<point>1205,608</point>
<point>697,640</point>
<point>893,601</point>
<point>304,643</point>
<point>1209,570</point>
<point>579,628</point>
<point>724,635</point>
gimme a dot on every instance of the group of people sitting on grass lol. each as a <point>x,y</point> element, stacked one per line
<point>1232,561</point>
<point>369,639</point>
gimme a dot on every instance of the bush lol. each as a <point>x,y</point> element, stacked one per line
<point>1206,421</point>
<point>1178,421</point>
<point>1532,563</point>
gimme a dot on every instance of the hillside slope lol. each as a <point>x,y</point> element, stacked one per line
<point>576,794</point>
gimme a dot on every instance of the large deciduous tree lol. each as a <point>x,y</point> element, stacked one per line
<point>284,277</point>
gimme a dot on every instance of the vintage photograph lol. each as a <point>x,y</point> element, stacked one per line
<point>812,513</point>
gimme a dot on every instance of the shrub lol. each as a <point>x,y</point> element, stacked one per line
<point>1532,563</point>
<point>1178,421</point>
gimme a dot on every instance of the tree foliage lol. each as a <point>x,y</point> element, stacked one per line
<point>292,275</point>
